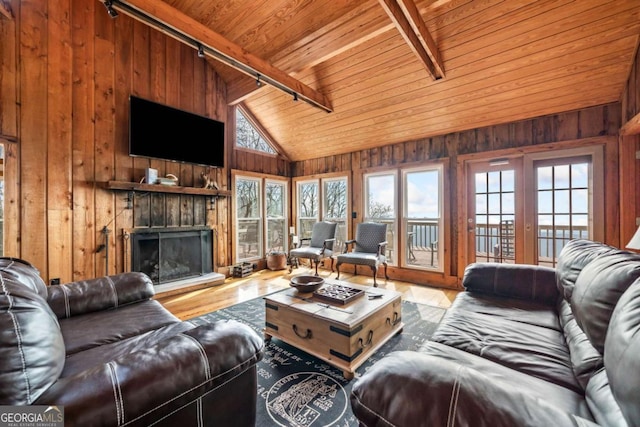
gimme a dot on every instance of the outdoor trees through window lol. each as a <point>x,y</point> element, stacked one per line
<point>247,136</point>
<point>248,219</point>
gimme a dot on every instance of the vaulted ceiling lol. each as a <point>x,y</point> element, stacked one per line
<point>502,60</point>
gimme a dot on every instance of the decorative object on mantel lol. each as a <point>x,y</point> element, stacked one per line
<point>207,182</point>
<point>170,179</point>
<point>151,175</point>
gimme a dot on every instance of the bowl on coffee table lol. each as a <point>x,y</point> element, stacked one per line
<point>306,283</point>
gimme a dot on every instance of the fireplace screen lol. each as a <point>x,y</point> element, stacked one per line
<point>168,255</point>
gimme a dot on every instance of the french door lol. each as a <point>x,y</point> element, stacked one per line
<point>525,209</point>
<point>494,209</point>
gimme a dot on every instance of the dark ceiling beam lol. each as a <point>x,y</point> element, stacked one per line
<point>163,17</point>
<point>407,19</point>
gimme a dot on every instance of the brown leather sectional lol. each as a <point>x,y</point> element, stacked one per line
<point>111,355</point>
<point>523,345</point>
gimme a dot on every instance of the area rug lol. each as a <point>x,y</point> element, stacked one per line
<point>297,389</point>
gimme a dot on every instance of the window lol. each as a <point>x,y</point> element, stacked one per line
<point>323,199</point>
<point>380,206</point>
<point>261,218</point>
<point>423,217</point>
<point>276,207</point>
<point>334,204</point>
<point>308,207</point>
<point>248,219</point>
<point>247,136</point>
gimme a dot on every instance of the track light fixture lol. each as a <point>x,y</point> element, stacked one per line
<point>295,96</point>
<point>110,10</point>
<point>200,51</point>
<point>258,82</point>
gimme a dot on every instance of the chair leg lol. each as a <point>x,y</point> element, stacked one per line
<point>332,264</point>
<point>375,271</point>
<point>316,262</point>
<point>385,271</point>
<point>338,269</point>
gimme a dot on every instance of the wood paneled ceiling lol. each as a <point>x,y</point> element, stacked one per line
<point>503,60</point>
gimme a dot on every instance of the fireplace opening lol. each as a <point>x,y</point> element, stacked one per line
<point>171,254</point>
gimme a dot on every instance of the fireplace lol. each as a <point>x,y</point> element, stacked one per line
<point>171,254</point>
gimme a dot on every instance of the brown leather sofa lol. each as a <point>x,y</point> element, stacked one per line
<point>111,355</point>
<point>522,346</point>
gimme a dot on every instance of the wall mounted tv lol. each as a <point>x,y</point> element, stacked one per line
<point>166,133</point>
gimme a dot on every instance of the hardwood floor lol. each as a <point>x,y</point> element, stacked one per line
<point>235,290</point>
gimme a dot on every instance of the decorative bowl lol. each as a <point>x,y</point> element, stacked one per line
<point>307,283</point>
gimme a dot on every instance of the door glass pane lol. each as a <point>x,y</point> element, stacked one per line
<point>422,220</point>
<point>495,217</point>
<point>545,178</point>
<point>494,181</point>
<point>481,183</point>
<point>563,206</point>
<point>561,176</point>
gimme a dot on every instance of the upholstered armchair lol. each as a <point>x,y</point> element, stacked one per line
<point>368,248</point>
<point>320,244</point>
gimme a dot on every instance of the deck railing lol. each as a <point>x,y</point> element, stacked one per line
<point>551,240</point>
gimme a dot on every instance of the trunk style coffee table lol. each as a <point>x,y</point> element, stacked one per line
<point>343,335</point>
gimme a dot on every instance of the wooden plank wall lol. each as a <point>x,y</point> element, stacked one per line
<point>569,126</point>
<point>629,163</point>
<point>67,70</point>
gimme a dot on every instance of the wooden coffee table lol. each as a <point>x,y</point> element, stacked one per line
<point>341,335</point>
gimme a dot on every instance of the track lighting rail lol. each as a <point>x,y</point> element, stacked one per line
<point>207,42</point>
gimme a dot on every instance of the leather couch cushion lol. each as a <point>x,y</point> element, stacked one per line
<point>586,360</point>
<point>575,255</point>
<point>538,389</point>
<point>98,294</point>
<point>522,335</point>
<point>95,356</point>
<point>24,273</point>
<point>31,346</point>
<point>534,283</point>
<point>622,350</point>
<point>442,386</point>
<point>104,327</point>
<point>597,290</point>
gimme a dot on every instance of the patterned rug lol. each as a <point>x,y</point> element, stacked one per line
<point>297,389</point>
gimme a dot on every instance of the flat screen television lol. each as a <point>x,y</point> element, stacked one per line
<point>166,133</point>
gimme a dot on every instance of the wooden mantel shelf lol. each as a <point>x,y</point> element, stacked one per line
<point>159,188</point>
